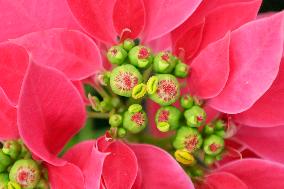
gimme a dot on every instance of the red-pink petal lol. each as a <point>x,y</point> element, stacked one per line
<point>95,17</point>
<point>50,112</point>
<point>210,69</point>
<point>255,55</point>
<point>159,169</point>
<point>265,142</point>
<point>217,25</point>
<point>13,64</point>
<point>129,17</point>
<point>69,51</point>
<point>89,160</point>
<point>223,180</point>
<point>21,17</point>
<point>187,45</point>
<point>65,176</point>
<point>161,44</point>
<point>164,16</point>
<point>257,173</point>
<point>120,166</point>
<point>268,110</point>
<point>8,118</point>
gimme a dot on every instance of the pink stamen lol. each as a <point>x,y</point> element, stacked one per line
<point>191,142</point>
<point>164,116</point>
<point>165,57</point>
<point>143,53</point>
<point>138,118</point>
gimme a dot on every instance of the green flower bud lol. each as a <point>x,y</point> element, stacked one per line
<point>186,101</point>
<point>140,56</point>
<point>42,184</point>
<point>26,173</point>
<point>152,84</point>
<point>135,122</point>
<point>164,62</point>
<point>208,129</point>
<point>106,105</point>
<point>115,120</point>
<point>195,116</point>
<point>4,179</point>
<point>123,79</point>
<point>188,138</point>
<point>135,108</point>
<point>213,145</point>
<point>128,44</point>
<point>167,91</point>
<point>209,160</point>
<point>121,132</point>
<point>181,70</point>
<point>12,148</point>
<point>170,115</point>
<point>115,102</point>
<point>163,126</point>
<point>197,172</point>
<point>220,133</point>
<point>219,125</point>
<point>5,161</point>
<point>116,55</point>
<point>139,91</point>
<point>25,153</point>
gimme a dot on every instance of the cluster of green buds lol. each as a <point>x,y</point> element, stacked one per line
<point>18,170</point>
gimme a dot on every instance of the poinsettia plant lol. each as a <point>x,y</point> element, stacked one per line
<point>191,92</point>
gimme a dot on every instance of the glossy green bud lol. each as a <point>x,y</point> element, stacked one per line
<point>220,133</point>
<point>213,145</point>
<point>188,138</point>
<point>140,56</point>
<point>116,55</point>
<point>4,179</point>
<point>135,121</point>
<point>121,132</point>
<point>168,90</point>
<point>123,79</point>
<point>5,161</point>
<point>26,173</point>
<point>115,120</point>
<point>170,115</point>
<point>195,116</point>
<point>186,101</point>
<point>181,70</point>
<point>12,148</point>
<point>208,129</point>
<point>219,125</point>
<point>209,160</point>
<point>164,62</point>
<point>128,44</point>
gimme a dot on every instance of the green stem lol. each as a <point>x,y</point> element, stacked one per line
<point>98,115</point>
<point>101,91</point>
<point>147,73</point>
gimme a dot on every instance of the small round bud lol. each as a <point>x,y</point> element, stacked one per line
<point>139,91</point>
<point>195,116</point>
<point>123,79</point>
<point>116,55</point>
<point>220,133</point>
<point>208,129</point>
<point>181,70</point>
<point>213,145</point>
<point>115,102</point>
<point>42,184</point>
<point>186,101</point>
<point>168,90</point>
<point>184,157</point>
<point>152,84</point>
<point>219,125</point>
<point>164,62</point>
<point>115,120</point>
<point>209,160</point>
<point>128,44</point>
<point>140,56</point>
<point>25,153</point>
<point>135,108</point>
<point>163,126</point>
<point>106,105</point>
<point>121,132</point>
<point>5,161</point>
<point>26,173</point>
<point>197,172</point>
<point>134,122</point>
<point>12,148</point>
<point>170,115</point>
<point>188,138</point>
<point>4,179</point>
